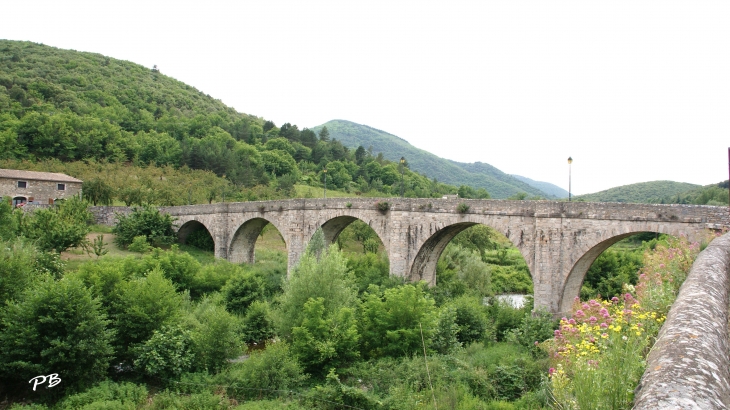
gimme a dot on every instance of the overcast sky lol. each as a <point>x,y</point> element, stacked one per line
<point>634,91</point>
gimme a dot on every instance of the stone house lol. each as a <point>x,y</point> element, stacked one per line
<point>37,187</point>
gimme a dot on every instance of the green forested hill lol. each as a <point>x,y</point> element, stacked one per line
<point>478,175</point>
<point>69,106</point>
<point>644,192</point>
<point>548,188</point>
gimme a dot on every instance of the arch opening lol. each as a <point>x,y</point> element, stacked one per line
<point>196,234</point>
<point>256,231</point>
<point>605,268</point>
<point>480,259</point>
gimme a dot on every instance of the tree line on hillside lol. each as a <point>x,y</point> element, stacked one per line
<point>71,106</point>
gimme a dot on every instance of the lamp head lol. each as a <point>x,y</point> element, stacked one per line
<point>570,160</point>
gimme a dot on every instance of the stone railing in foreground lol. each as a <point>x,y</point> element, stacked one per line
<point>689,366</point>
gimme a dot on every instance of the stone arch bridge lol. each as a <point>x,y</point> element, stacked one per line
<point>559,240</point>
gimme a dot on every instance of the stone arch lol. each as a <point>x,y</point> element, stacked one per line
<point>424,265</point>
<point>243,244</point>
<point>332,228</point>
<point>589,254</point>
<point>189,227</point>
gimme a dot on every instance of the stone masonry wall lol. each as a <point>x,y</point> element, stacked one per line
<point>40,191</point>
<point>689,366</point>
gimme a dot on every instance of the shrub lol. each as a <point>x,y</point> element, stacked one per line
<point>240,291</point>
<point>263,374</point>
<point>179,267</point>
<point>327,278</point>
<point>325,339</point>
<point>462,208</point>
<point>391,323</point>
<point>371,245</point>
<point>382,206</point>
<point>106,395</point>
<point>143,306</point>
<point>258,323</point>
<point>213,277</point>
<point>167,354</point>
<point>148,222</point>
<point>17,261</point>
<point>58,228</point>
<point>139,244</point>
<point>471,319</point>
<point>216,335</point>
<point>56,327</point>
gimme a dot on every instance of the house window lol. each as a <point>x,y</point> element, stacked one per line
<point>22,184</point>
<point>61,187</point>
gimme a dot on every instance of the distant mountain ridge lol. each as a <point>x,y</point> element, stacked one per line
<point>477,175</point>
<point>653,192</point>
<point>546,187</point>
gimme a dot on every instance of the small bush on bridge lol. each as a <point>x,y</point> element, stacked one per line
<point>462,208</point>
<point>382,206</point>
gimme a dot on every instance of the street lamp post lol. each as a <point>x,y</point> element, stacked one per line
<point>570,161</point>
<point>402,168</point>
<point>325,182</point>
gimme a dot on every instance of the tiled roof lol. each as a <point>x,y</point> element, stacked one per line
<point>37,176</point>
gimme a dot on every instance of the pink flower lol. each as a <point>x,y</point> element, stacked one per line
<point>603,325</point>
<point>572,321</point>
<point>593,320</point>
<point>579,313</point>
<point>551,371</point>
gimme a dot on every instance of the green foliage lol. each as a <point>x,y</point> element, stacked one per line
<point>139,244</point>
<point>472,321</point>
<point>167,354</point>
<point>98,192</point>
<point>334,395</point>
<point>242,290</point>
<point>610,271</point>
<point>327,278</point>
<point>534,328</point>
<point>264,374</point>
<point>258,323</point>
<point>654,192</point>
<point>106,395</point>
<point>382,206</point>
<point>201,239</point>
<point>98,246</point>
<point>58,228</point>
<point>462,208</point>
<point>461,271</point>
<point>445,336</point>
<point>146,221</point>
<point>478,175</point>
<point>505,316</point>
<point>9,220</point>
<point>17,261</point>
<point>142,306</point>
<point>325,339</point>
<point>215,335</point>
<point>213,277</point>
<point>391,322</point>
<point>55,327</point>
<point>181,268</point>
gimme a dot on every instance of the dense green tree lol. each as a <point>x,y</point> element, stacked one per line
<point>59,228</point>
<point>326,277</point>
<point>98,192</point>
<point>325,339</point>
<point>146,221</point>
<point>391,323</point>
<point>56,327</point>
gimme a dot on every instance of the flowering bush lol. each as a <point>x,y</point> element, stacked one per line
<point>598,354</point>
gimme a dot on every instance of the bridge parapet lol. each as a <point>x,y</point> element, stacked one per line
<point>689,366</point>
